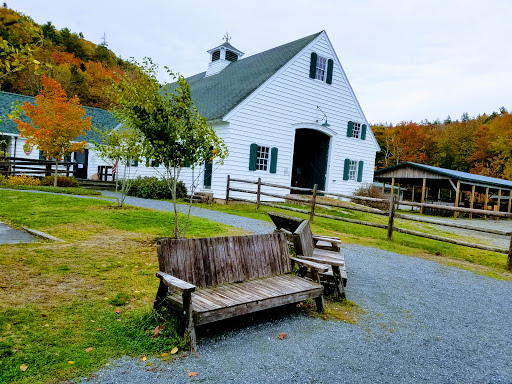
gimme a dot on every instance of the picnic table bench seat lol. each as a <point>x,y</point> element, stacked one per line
<point>211,279</point>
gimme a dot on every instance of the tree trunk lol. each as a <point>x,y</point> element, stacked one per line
<point>56,169</point>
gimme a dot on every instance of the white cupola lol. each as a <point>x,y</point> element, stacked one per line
<point>222,56</point>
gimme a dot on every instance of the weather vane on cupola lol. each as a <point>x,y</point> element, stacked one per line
<point>226,37</point>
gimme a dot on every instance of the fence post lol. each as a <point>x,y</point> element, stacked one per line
<point>313,203</point>
<point>258,194</point>
<point>227,191</point>
<point>391,216</point>
<point>509,259</point>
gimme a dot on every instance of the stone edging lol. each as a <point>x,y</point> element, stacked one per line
<point>42,235</point>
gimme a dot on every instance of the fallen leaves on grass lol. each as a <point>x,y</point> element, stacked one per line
<point>23,367</point>
<point>144,358</point>
<point>71,362</point>
<point>118,311</point>
<point>43,315</point>
<point>165,354</point>
<point>192,374</point>
<point>158,330</point>
<point>8,327</point>
<point>99,329</point>
<point>174,350</point>
<point>89,349</point>
<point>282,336</point>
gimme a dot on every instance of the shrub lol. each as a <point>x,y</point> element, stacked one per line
<point>23,180</point>
<point>370,190</point>
<point>155,188</point>
<point>3,179</point>
<point>62,181</point>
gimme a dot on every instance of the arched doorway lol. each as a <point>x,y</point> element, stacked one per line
<point>310,156</point>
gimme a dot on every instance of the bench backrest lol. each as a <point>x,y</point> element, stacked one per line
<point>214,261</point>
<point>282,221</point>
<point>303,240</point>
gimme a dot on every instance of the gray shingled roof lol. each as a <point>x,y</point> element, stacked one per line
<point>214,96</point>
<point>463,176</point>
<point>100,118</point>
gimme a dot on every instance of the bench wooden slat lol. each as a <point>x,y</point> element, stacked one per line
<point>212,298</point>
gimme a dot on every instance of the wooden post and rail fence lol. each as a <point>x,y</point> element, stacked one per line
<point>390,213</point>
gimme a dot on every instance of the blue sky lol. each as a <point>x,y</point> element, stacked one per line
<point>406,60</point>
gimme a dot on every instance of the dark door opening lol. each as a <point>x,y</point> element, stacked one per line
<point>208,170</point>
<point>310,159</point>
<point>82,158</point>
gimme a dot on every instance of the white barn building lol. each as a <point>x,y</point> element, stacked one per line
<point>288,115</point>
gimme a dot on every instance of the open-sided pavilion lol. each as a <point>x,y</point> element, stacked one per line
<point>431,180</point>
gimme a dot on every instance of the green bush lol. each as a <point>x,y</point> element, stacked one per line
<point>371,190</point>
<point>62,181</point>
<point>155,188</point>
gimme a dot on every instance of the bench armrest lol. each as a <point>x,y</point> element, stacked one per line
<point>329,239</point>
<point>333,261</point>
<point>174,282</point>
<point>311,264</point>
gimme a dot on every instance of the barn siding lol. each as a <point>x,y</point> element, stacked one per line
<point>291,98</point>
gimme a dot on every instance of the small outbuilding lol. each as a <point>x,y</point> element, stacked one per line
<point>448,186</point>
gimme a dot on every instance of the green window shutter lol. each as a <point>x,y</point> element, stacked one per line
<point>345,169</point>
<point>67,158</point>
<point>360,171</point>
<point>312,65</point>
<point>156,164</point>
<point>136,163</point>
<point>363,132</point>
<point>187,164</point>
<point>330,65</point>
<point>273,160</point>
<point>41,157</point>
<point>148,162</point>
<point>253,156</point>
<point>350,128</point>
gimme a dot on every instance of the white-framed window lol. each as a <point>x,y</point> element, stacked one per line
<point>321,68</point>
<point>352,170</point>
<point>356,131</point>
<point>262,158</point>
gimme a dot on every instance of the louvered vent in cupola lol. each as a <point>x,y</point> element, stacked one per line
<point>215,55</point>
<point>231,56</point>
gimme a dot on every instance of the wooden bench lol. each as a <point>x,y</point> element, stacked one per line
<point>289,224</point>
<point>211,279</point>
<point>305,249</point>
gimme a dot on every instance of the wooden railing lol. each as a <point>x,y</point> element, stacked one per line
<point>312,202</point>
<point>19,166</point>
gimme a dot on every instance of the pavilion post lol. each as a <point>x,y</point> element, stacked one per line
<point>509,201</point>
<point>412,199</point>
<point>457,196</point>
<point>499,200</point>
<point>392,186</point>
<point>486,199</point>
<point>472,200</point>
<point>423,189</point>
<point>398,196</point>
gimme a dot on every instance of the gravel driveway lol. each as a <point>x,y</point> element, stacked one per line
<point>425,323</point>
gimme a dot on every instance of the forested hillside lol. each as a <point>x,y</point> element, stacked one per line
<point>481,145</point>
<point>80,66</point>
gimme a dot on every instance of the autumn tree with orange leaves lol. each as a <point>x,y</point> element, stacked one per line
<point>56,122</point>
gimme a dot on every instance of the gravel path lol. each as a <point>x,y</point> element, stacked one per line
<point>425,323</point>
<point>248,224</point>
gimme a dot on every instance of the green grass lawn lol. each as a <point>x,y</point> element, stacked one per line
<point>58,300</point>
<point>484,262</point>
